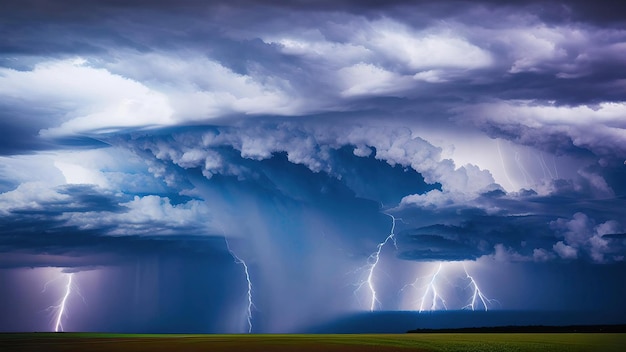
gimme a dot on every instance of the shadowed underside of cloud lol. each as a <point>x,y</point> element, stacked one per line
<point>448,212</point>
<point>439,243</point>
<point>37,242</point>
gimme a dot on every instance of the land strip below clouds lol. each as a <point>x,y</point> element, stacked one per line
<point>312,342</point>
<point>512,329</point>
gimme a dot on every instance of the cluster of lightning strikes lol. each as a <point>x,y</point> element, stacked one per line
<point>431,291</point>
<point>477,295</point>
<point>242,262</point>
<point>432,299</point>
<point>372,262</point>
<point>61,307</point>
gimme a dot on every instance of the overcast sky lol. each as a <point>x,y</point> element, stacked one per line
<point>344,157</point>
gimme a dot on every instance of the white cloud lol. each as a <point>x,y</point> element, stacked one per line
<point>310,145</point>
<point>425,50</point>
<point>200,88</point>
<point>78,174</point>
<point>162,90</point>
<point>542,255</point>
<point>382,57</point>
<point>431,76</point>
<point>30,196</point>
<point>335,53</point>
<point>366,79</point>
<point>504,254</point>
<point>30,168</point>
<point>565,251</point>
<point>92,99</point>
<point>580,233</point>
<point>530,47</point>
<point>388,40</point>
<point>147,215</point>
<point>601,128</point>
<point>39,178</point>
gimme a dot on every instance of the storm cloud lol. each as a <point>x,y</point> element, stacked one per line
<point>148,138</point>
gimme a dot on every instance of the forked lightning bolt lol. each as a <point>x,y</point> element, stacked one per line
<point>60,309</point>
<point>431,290</point>
<point>432,298</point>
<point>242,262</point>
<point>477,295</point>
<point>372,262</point>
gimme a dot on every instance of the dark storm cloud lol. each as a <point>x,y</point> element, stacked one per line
<point>20,128</point>
<point>517,228</point>
<point>83,198</point>
<point>368,177</point>
<point>512,227</point>
<point>568,64</point>
<point>36,239</point>
<point>419,246</point>
<point>88,208</point>
<point>600,10</point>
<point>295,172</point>
<point>471,235</point>
<point>20,138</point>
<point>71,198</point>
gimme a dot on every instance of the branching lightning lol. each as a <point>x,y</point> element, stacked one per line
<point>432,298</point>
<point>61,307</point>
<point>477,295</point>
<point>242,262</point>
<point>372,262</point>
<point>431,290</point>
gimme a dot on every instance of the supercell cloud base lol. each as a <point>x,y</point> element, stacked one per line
<point>300,166</point>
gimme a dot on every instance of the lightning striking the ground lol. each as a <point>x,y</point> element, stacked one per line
<point>477,295</point>
<point>60,308</point>
<point>431,290</point>
<point>372,262</point>
<point>242,262</point>
<point>432,298</point>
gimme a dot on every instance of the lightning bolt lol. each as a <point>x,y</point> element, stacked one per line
<point>242,262</point>
<point>477,295</point>
<point>431,290</point>
<point>431,293</point>
<point>60,308</point>
<point>432,299</point>
<point>372,262</point>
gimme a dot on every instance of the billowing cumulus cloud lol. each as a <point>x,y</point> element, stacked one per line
<point>159,146</point>
<point>581,234</point>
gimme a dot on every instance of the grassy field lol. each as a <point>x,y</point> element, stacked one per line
<point>303,343</point>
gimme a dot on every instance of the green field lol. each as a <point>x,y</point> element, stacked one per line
<point>304,343</point>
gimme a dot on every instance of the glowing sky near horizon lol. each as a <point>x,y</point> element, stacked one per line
<point>237,166</point>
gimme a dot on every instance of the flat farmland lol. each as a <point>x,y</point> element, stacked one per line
<point>303,343</point>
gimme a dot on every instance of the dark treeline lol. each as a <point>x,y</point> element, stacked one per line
<point>621,328</point>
